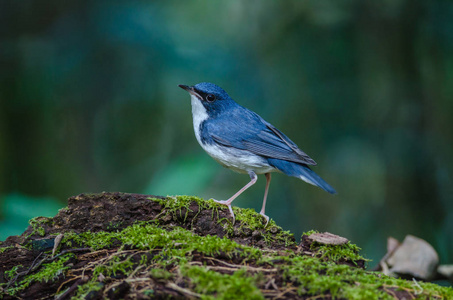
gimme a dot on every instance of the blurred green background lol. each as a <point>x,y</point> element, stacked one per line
<point>89,103</point>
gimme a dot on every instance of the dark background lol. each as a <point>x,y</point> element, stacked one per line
<point>89,103</point>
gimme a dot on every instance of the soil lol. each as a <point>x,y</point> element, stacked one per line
<point>110,212</point>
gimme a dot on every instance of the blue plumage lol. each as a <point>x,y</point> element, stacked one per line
<point>298,170</point>
<point>241,140</point>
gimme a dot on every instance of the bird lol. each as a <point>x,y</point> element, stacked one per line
<point>240,140</point>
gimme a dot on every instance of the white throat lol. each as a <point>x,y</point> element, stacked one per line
<point>199,114</point>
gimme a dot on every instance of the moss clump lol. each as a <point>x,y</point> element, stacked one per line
<point>175,247</point>
<point>180,242</point>
<point>96,241</point>
<point>177,242</point>
<point>179,206</point>
<point>316,276</point>
<point>118,264</point>
<point>36,224</point>
<point>213,285</point>
<point>247,220</point>
<point>3,249</point>
<point>87,288</point>
<point>251,221</point>
<point>160,274</point>
<point>48,272</point>
<point>13,272</point>
<point>337,253</point>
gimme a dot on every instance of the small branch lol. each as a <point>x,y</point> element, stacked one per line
<point>69,251</point>
<point>232,267</point>
<point>73,287</point>
<point>183,291</point>
<point>30,269</point>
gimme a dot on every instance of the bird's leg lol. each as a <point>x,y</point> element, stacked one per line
<point>253,178</point>
<point>268,181</point>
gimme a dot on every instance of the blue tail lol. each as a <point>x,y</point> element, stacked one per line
<point>302,172</point>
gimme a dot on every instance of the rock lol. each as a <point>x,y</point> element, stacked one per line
<point>328,238</point>
<point>446,271</point>
<point>414,257</point>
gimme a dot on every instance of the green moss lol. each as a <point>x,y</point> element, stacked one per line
<point>310,232</point>
<point>13,272</point>
<point>96,241</point>
<point>175,206</point>
<point>338,253</point>
<point>319,277</point>
<point>213,285</point>
<point>175,247</point>
<point>172,256</point>
<point>160,274</point>
<point>48,272</point>
<point>176,243</point>
<point>180,242</point>
<point>87,288</point>
<point>249,218</point>
<point>3,249</point>
<point>36,224</point>
<point>63,210</point>
<point>114,266</point>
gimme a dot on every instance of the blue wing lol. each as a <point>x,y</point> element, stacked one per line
<point>244,129</point>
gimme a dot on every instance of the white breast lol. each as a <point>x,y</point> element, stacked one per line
<point>238,160</point>
<point>199,114</point>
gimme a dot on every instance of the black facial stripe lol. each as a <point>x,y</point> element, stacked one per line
<point>202,94</point>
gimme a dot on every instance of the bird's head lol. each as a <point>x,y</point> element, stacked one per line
<point>211,97</point>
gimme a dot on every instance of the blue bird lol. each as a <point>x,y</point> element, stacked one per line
<point>241,140</point>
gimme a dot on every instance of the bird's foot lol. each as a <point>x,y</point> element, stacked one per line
<point>228,204</point>
<point>266,217</point>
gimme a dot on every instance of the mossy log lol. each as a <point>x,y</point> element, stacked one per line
<point>131,246</point>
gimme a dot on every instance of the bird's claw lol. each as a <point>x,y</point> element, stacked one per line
<point>225,202</point>
<point>266,217</point>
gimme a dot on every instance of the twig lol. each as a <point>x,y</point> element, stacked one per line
<point>420,291</point>
<point>69,251</point>
<point>390,292</point>
<point>183,291</point>
<point>236,267</point>
<point>66,282</point>
<point>30,269</point>
<point>73,287</point>
<point>287,290</point>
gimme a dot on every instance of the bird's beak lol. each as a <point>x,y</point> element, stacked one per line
<point>190,90</point>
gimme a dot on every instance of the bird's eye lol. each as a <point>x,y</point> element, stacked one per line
<point>210,97</point>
